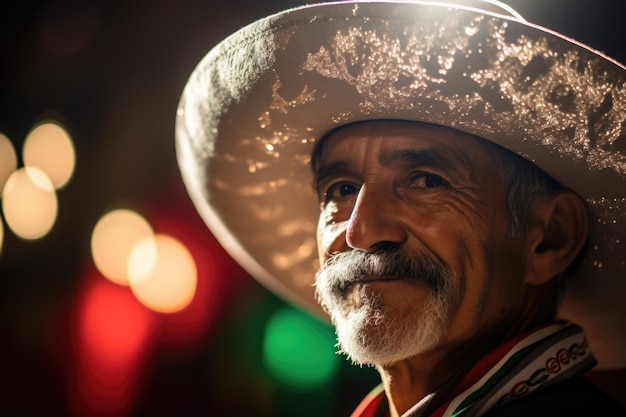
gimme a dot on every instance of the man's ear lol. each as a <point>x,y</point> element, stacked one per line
<point>558,228</point>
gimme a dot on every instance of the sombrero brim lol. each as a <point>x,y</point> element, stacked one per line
<point>254,106</point>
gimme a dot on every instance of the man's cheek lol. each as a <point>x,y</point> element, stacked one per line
<point>330,239</point>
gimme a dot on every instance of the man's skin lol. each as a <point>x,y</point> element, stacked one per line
<point>435,191</point>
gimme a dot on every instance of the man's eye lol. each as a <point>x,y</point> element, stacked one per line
<point>340,191</point>
<point>425,180</point>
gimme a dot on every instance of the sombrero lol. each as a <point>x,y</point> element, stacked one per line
<point>257,102</point>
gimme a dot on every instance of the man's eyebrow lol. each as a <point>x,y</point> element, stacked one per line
<point>327,170</point>
<point>431,158</point>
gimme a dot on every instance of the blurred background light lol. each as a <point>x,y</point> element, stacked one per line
<point>220,280</point>
<point>142,260</point>
<point>170,284</point>
<point>49,147</point>
<point>112,240</point>
<point>298,350</point>
<point>112,334</point>
<point>29,203</point>
<point>113,325</point>
<point>8,160</point>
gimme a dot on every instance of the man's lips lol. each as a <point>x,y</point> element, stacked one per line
<point>373,278</point>
<point>366,279</point>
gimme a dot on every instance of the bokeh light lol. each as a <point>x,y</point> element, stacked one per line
<point>112,240</point>
<point>8,160</point>
<point>29,203</point>
<point>113,324</point>
<point>49,147</point>
<point>298,350</point>
<point>142,260</point>
<point>112,332</point>
<point>170,284</point>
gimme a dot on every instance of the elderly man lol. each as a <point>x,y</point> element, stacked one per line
<point>465,172</point>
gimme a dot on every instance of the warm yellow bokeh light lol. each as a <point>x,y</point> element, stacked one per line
<point>112,240</point>
<point>8,160</point>
<point>49,147</point>
<point>170,285</point>
<point>142,260</point>
<point>29,203</point>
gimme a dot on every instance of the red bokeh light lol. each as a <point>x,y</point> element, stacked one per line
<point>113,325</point>
<point>112,335</point>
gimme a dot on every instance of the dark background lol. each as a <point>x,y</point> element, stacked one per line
<point>111,72</point>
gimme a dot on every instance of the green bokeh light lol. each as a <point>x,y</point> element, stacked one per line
<point>298,350</point>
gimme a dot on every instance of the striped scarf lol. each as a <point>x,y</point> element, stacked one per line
<point>545,356</point>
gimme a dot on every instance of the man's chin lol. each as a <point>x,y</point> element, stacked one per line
<point>361,336</point>
<point>370,335</point>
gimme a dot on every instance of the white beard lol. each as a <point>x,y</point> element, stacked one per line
<point>372,333</point>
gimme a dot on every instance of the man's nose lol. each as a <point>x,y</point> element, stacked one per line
<point>375,220</point>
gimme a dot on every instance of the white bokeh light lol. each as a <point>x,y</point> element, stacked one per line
<point>112,240</point>
<point>29,203</point>
<point>167,285</point>
<point>49,147</point>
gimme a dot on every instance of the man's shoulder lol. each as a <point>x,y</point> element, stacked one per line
<point>576,396</point>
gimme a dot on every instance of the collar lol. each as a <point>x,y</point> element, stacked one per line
<point>545,356</point>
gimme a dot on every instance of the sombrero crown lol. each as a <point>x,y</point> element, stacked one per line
<point>255,105</point>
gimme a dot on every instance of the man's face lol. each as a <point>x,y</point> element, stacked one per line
<point>412,236</point>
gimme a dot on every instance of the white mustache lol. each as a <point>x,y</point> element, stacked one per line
<point>345,268</point>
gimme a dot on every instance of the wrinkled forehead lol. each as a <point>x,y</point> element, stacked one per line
<point>442,136</point>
